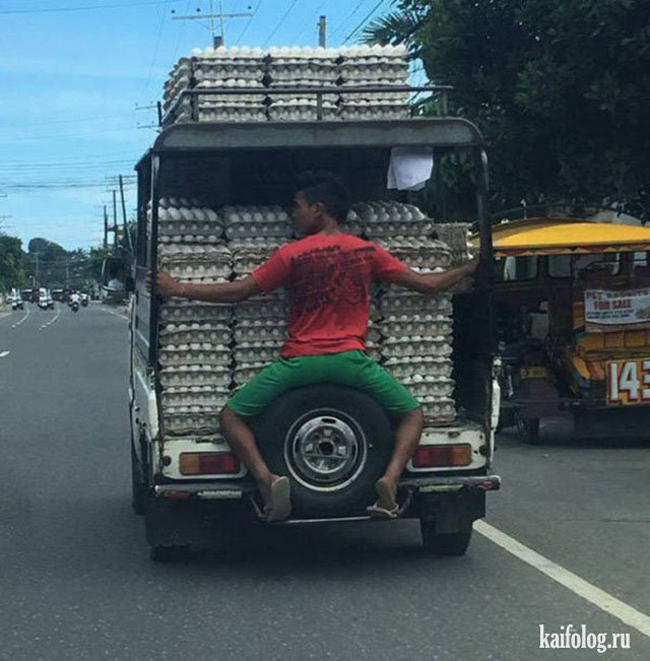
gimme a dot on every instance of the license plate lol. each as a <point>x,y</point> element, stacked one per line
<point>628,382</point>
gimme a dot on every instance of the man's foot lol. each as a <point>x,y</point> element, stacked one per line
<point>277,498</point>
<point>386,506</point>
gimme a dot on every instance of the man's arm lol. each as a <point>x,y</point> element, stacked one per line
<point>227,292</point>
<point>429,283</point>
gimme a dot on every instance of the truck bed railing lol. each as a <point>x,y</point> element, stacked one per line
<point>440,91</point>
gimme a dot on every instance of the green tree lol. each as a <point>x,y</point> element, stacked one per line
<point>559,88</point>
<point>12,273</point>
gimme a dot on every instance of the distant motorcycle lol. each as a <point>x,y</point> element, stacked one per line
<point>74,306</point>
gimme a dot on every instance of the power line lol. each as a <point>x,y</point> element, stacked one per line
<point>243,32</point>
<point>363,20</point>
<point>282,20</point>
<point>67,9</point>
<point>155,50</point>
<point>360,4</point>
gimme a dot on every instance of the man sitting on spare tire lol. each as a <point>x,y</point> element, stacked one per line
<point>328,275</point>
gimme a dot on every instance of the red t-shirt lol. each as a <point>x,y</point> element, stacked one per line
<point>328,279</point>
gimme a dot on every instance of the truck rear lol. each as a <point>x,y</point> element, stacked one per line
<point>213,202</point>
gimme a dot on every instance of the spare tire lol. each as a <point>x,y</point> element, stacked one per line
<point>332,442</point>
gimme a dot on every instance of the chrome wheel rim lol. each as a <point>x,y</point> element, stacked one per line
<point>325,450</point>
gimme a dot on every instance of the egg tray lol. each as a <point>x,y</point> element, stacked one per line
<point>368,113</point>
<point>417,329</point>
<point>272,333</point>
<point>302,112</point>
<point>189,376</point>
<point>189,239</point>
<point>211,70</point>
<point>437,410</point>
<point>218,356</point>
<point>405,302</point>
<point>171,312</point>
<point>195,253</point>
<point>424,366</point>
<point>429,386</point>
<point>385,230</point>
<point>233,115</point>
<point>206,398</point>
<point>384,211</point>
<point>201,275</point>
<point>188,333</point>
<point>246,353</point>
<point>194,228</point>
<point>422,260</point>
<point>180,422</point>
<point>271,230</point>
<point>430,346</point>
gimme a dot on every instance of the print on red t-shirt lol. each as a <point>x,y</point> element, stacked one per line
<point>328,279</point>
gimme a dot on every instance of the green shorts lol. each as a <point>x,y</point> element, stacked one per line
<point>354,369</point>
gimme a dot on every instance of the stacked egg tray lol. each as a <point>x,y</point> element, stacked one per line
<point>208,350</point>
<point>231,68</point>
<point>303,67</point>
<point>374,66</point>
<point>255,233</point>
<point>312,68</point>
<point>180,79</point>
<point>415,344</point>
<point>195,343</point>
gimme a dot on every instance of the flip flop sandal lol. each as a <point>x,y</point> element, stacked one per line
<point>376,511</point>
<point>279,508</point>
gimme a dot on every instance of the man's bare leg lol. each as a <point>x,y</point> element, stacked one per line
<point>243,444</point>
<point>408,437</point>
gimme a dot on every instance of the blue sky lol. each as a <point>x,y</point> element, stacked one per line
<point>72,81</point>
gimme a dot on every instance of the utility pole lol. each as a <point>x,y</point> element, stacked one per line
<point>322,31</point>
<point>217,39</point>
<point>105,228</point>
<point>114,228</point>
<point>127,234</point>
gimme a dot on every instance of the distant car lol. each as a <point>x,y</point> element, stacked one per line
<point>45,300</point>
<point>16,300</point>
<point>27,294</point>
<point>58,294</point>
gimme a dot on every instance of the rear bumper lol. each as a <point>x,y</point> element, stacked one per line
<point>238,489</point>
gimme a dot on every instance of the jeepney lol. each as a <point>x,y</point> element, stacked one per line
<point>573,302</point>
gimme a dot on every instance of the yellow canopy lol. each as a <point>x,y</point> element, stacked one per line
<point>565,236</point>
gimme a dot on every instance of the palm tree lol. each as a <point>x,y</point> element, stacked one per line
<point>399,26</point>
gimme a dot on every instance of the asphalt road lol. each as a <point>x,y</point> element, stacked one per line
<point>76,582</point>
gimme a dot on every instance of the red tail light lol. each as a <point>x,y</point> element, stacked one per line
<point>438,456</point>
<point>213,463</point>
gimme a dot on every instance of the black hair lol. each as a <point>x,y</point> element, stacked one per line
<point>329,190</point>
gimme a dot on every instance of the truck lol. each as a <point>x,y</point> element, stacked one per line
<point>212,199</point>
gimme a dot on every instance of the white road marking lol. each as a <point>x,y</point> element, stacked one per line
<point>4,354</point>
<point>51,321</point>
<point>115,314</point>
<point>20,321</point>
<point>603,600</point>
